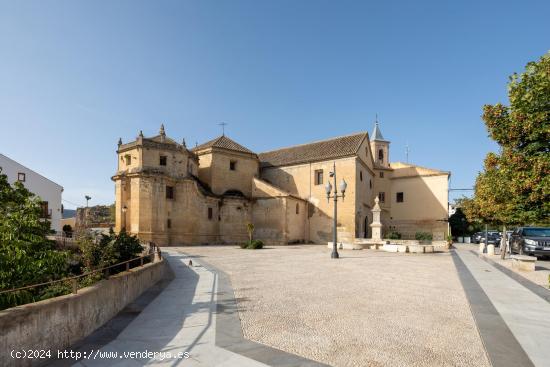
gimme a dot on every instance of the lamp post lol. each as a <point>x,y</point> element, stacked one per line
<point>335,196</point>
<point>124,210</point>
<point>88,198</point>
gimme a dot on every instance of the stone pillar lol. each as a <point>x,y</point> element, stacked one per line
<point>376,224</point>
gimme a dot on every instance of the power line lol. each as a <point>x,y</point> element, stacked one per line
<point>69,202</point>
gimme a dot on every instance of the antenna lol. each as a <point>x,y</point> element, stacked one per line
<point>223,124</point>
<point>407,151</point>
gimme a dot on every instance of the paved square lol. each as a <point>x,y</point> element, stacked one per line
<point>368,308</point>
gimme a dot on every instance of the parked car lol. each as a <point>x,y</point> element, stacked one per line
<point>476,237</point>
<point>493,238</point>
<point>534,241</point>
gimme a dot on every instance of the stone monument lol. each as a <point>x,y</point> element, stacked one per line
<point>376,225</point>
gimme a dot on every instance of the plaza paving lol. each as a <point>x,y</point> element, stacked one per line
<point>369,308</point>
<point>294,306</point>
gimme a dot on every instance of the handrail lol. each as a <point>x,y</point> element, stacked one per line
<point>156,251</point>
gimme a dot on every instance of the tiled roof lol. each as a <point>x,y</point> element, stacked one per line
<point>161,139</point>
<point>313,152</point>
<point>225,143</point>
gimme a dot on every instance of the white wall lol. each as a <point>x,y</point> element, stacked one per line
<point>47,190</point>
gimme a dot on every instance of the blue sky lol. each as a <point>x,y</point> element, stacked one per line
<point>77,75</point>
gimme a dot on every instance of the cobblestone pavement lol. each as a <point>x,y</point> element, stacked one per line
<point>369,308</point>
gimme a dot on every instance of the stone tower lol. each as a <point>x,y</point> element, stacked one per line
<point>148,178</point>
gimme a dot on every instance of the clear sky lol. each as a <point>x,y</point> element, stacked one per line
<point>77,75</point>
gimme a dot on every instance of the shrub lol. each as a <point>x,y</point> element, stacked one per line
<point>394,235</point>
<point>68,230</point>
<point>253,245</point>
<point>110,249</point>
<point>423,236</point>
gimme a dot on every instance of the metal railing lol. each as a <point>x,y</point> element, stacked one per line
<point>153,251</point>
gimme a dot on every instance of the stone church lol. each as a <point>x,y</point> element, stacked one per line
<point>171,195</point>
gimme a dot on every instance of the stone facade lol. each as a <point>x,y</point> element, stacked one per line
<point>169,194</point>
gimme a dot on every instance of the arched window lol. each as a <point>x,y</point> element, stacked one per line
<point>380,154</point>
<point>297,208</point>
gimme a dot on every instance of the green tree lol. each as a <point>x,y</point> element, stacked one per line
<point>514,187</point>
<point>250,230</point>
<point>26,255</point>
<point>459,223</point>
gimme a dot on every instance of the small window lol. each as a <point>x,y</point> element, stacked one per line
<point>382,197</point>
<point>44,211</point>
<point>169,192</point>
<point>210,213</point>
<point>233,165</point>
<point>380,154</point>
<point>381,174</point>
<point>370,184</point>
<point>297,208</point>
<point>361,175</point>
<point>162,160</point>
<point>128,159</point>
<point>21,177</point>
<point>399,197</point>
<point>319,177</point>
<point>168,223</point>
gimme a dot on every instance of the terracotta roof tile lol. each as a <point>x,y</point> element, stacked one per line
<point>225,143</point>
<point>318,151</point>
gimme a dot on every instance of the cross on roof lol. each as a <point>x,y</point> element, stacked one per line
<point>223,124</point>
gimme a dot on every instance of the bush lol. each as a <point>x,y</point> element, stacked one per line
<point>394,235</point>
<point>423,236</point>
<point>68,230</point>
<point>252,245</point>
<point>110,249</point>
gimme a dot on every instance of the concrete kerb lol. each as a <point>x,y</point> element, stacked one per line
<point>229,333</point>
<point>533,287</point>
<point>501,346</point>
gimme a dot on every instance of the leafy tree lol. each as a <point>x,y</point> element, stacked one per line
<point>514,187</point>
<point>26,255</point>
<point>459,223</point>
<point>517,181</point>
<point>250,230</point>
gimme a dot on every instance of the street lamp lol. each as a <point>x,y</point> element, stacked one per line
<point>88,198</point>
<point>124,210</point>
<point>328,189</point>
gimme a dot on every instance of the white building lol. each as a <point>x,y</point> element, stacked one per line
<point>48,191</point>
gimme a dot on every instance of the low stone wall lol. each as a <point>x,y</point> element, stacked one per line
<point>59,322</point>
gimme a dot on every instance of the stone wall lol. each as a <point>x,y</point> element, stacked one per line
<point>57,323</point>
<point>95,216</point>
<point>214,170</point>
<point>299,180</point>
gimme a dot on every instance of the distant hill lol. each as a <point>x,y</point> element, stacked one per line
<point>69,213</point>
